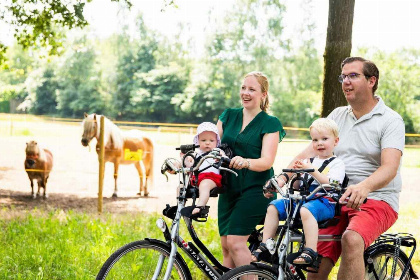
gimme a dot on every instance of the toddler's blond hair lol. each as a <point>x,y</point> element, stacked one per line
<point>323,124</point>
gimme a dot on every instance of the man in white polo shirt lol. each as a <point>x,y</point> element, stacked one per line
<point>372,138</point>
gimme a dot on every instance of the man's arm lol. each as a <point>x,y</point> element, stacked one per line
<point>390,160</point>
<point>308,152</point>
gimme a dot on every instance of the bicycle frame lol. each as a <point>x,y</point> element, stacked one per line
<point>289,235</point>
<point>173,238</point>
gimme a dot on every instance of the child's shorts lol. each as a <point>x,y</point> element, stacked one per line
<point>320,208</point>
<point>216,178</point>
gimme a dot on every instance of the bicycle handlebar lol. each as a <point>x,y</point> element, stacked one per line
<point>186,148</point>
<point>214,154</point>
<point>299,170</point>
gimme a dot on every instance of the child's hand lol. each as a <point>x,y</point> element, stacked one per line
<point>303,164</point>
<point>268,195</point>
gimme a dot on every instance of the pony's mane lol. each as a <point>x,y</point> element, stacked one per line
<point>111,131</point>
<point>31,147</point>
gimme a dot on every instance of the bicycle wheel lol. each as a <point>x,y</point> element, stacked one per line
<point>140,259</point>
<point>380,263</point>
<point>261,272</point>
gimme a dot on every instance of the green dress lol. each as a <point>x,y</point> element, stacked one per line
<point>243,204</point>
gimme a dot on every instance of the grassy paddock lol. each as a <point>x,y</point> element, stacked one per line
<point>72,245</point>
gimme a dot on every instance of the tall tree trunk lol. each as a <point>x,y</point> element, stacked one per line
<point>337,48</point>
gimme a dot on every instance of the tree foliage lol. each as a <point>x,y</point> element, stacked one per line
<point>36,23</point>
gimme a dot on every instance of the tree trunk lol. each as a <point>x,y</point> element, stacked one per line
<point>337,48</point>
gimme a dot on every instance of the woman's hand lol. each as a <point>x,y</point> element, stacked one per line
<point>238,162</point>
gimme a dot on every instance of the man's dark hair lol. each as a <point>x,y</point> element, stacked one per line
<point>369,69</point>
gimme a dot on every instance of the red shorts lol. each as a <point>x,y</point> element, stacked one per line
<point>374,218</point>
<point>216,178</point>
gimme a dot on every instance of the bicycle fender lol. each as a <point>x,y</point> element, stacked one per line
<point>373,248</point>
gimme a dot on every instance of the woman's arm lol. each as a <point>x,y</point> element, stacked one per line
<point>220,128</point>
<point>270,143</point>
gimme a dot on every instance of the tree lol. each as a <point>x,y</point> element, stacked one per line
<point>79,81</point>
<point>46,98</point>
<point>153,93</point>
<point>36,22</point>
<point>136,57</point>
<point>337,48</point>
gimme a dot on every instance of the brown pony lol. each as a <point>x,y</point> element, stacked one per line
<point>118,145</point>
<point>38,164</point>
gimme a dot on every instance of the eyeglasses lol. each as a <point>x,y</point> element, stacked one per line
<point>351,76</point>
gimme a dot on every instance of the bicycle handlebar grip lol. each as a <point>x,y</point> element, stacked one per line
<point>225,160</point>
<point>299,170</point>
<point>186,148</point>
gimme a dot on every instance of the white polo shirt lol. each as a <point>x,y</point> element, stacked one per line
<point>361,143</point>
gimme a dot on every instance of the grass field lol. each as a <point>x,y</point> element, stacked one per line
<point>72,245</point>
<point>47,242</point>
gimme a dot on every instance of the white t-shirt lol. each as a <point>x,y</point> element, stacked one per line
<point>335,170</point>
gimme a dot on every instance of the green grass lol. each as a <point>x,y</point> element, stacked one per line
<point>60,245</point>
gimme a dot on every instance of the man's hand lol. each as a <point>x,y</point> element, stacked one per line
<point>356,195</point>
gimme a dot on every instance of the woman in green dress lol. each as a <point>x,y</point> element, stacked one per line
<point>254,136</point>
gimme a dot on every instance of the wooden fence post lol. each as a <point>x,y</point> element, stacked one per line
<point>101,156</point>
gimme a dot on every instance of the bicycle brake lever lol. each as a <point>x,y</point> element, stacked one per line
<point>231,171</point>
<point>166,175</point>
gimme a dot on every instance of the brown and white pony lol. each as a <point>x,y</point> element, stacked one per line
<point>38,164</point>
<point>116,143</point>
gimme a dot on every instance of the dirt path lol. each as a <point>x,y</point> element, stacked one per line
<point>73,182</point>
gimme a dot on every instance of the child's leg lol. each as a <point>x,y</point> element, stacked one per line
<point>310,228</point>
<point>204,190</point>
<point>271,223</point>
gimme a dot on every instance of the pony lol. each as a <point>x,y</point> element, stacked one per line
<point>119,146</point>
<point>38,164</point>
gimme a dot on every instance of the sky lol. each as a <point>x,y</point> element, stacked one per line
<point>384,24</point>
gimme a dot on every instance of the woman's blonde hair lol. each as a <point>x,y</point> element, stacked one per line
<point>263,81</point>
<point>324,124</point>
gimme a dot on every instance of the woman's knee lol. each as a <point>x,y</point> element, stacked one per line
<point>236,243</point>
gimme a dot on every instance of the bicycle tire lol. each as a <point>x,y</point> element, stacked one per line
<point>138,260</point>
<point>381,261</point>
<point>260,271</point>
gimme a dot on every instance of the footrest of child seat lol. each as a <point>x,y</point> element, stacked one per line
<point>312,267</point>
<point>201,216</point>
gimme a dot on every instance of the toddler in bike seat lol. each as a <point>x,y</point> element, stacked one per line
<point>324,135</point>
<point>207,138</point>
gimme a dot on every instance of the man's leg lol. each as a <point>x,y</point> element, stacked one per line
<point>352,264</point>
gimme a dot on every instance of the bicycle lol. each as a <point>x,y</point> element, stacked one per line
<point>156,259</point>
<point>384,259</point>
